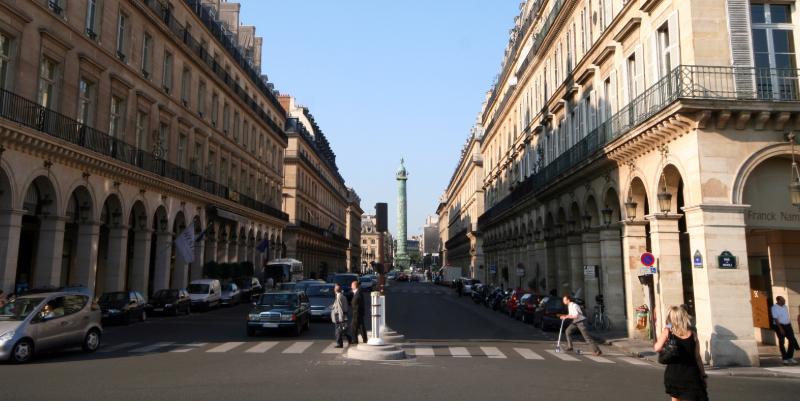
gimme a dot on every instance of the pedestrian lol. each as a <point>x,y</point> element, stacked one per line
<point>783,328</point>
<point>339,317</point>
<point>460,286</point>
<point>578,323</point>
<point>685,376</point>
<point>358,313</point>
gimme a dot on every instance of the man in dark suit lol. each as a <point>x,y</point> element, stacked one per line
<point>359,313</point>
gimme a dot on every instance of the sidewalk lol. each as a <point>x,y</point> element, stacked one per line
<point>770,360</point>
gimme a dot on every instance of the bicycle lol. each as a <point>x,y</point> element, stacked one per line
<point>600,321</point>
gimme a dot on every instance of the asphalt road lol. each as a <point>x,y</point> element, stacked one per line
<point>459,351</point>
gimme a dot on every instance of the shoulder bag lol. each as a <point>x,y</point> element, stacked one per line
<point>670,352</point>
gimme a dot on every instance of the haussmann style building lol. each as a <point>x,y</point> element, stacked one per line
<point>621,128</point>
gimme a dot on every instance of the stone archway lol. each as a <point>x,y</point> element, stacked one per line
<point>138,249</point>
<point>160,252</point>
<point>112,266</point>
<point>41,237</point>
<point>81,239</point>
<point>179,267</point>
<point>10,222</point>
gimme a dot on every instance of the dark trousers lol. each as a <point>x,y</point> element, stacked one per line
<point>358,328</point>
<point>580,326</point>
<point>341,330</point>
<point>788,333</point>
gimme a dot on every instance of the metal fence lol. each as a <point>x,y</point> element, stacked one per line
<point>30,114</point>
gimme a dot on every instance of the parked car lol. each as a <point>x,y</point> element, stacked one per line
<point>527,307</point>
<point>391,275</point>
<point>321,297</point>
<point>479,293</point>
<point>512,301</point>
<point>205,293</point>
<point>468,283</point>
<point>301,286</point>
<point>122,307</point>
<point>35,323</point>
<point>280,310</point>
<point>402,277</point>
<point>367,283</point>
<point>231,295</point>
<point>172,301</point>
<point>250,287</point>
<point>547,313</point>
<point>283,287</point>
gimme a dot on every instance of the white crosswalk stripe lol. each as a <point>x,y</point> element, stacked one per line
<point>562,356</point>
<point>460,352</point>
<point>118,347</point>
<point>225,347</point>
<point>262,347</point>
<point>493,352</point>
<point>528,354</point>
<point>423,351</point>
<point>189,347</point>
<point>152,347</point>
<point>634,361</point>
<point>331,349</point>
<point>298,347</point>
<point>598,359</point>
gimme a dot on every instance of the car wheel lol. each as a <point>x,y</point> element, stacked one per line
<point>22,351</point>
<point>92,341</point>
<point>251,332</point>
<point>143,316</point>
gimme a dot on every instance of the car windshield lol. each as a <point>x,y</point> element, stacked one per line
<point>320,291</point>
<point>114,297</point>
<point>278,300</point>
<point>20,308</point>
<point>166,294</point>
<point>198,289</point>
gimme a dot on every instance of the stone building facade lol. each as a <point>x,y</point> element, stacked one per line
<point>122,123</point>
<point>376,246</point>
<point>617,128</point>
<point>353,229</point>
<point>317,199</point>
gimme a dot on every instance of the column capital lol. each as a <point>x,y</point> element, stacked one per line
<point>663,216</point>
<point>12,211</point>
<point>716,208</point>
<point>121,227</point>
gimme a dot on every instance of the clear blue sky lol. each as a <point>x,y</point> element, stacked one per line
<point>385,80</point>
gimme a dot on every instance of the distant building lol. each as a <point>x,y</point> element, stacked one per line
<point>376,247</point>
<point>431,242</point>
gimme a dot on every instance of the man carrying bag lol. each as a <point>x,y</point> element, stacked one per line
<point>339,317</point>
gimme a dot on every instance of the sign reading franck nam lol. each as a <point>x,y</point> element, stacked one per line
<point>727,260</point>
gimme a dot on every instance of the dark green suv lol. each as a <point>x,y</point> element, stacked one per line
<point>280,310</point>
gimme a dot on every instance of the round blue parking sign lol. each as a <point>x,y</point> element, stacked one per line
<point>648,259</point>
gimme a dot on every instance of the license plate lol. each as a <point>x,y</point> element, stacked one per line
<point>158,309</point>
<point>316,313</point>
<point>269,325</point>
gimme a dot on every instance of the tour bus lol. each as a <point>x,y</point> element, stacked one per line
<point>284,270</point>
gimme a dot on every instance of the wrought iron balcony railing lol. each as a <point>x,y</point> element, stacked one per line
<point>32,115</point>
<point>684,82</point>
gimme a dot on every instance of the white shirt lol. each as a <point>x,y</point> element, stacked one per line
<point>781,314</point>
<point>574,309</point>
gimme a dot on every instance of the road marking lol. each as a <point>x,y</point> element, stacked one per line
<point>331,349</point>
<point>493,352</point>
<point>118,347</point>
<point>528,354</point>
<point>298,347</point>
<point>190,346</point>
<point>262,347</point>
<point>562,356</point>
<point>152,347</point>
<point>423,351</point>
<point>598,359</point>
<point>226,347</point>
<point>634,361</point>
<point>460,352</point>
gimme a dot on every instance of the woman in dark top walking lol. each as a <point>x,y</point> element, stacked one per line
<point>684,379</point>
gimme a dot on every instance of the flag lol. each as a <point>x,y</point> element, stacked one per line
<point>184,244</point>
<point>263,246</point>
<point>202,234</point>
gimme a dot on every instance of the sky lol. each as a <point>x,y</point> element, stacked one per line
<point>387,80</point>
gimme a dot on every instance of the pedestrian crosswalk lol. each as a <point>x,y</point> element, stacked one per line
<point>328,348</point>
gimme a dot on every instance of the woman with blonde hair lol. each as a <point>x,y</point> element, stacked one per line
<point>684,378</point>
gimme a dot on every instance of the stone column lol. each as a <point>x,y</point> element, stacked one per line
<point>233,249</point>
<point>664,235</point>
<point>140,267</point>
<point>530,263</point>
<point>591,257</point>
<point>162,261</point>
<point>180,273</point>
<point>612,276</point>
<point>222,249</point>
<point>117,260</point>
<point>243,250</point>
<point>540,265</point>
<point>551,266</point>
<point>634,243</point>
<point>575,255</point>
<point>196,269</point>
<point>49,252</point>
<point>86,257</point>
<point>210,245</point>
<point>722,296</point>
<point>561,265</point>
<point>10,226</point>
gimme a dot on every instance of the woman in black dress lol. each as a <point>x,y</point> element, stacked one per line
<point>685,379</point>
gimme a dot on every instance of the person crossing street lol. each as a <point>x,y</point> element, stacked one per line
<point>339,317</point>
<point>575,313</point>
<point>358,313</point>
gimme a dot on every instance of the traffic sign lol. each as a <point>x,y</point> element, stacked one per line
<point>648,259</point>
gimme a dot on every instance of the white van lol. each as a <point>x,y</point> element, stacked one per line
<point>205,293</point>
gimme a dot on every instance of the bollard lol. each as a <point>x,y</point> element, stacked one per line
<point>383,313</point>
<point>377,319</point>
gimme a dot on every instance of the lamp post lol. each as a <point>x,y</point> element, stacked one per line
<point>630,209</point>
<point>587,222</point>
<point>607,212</point>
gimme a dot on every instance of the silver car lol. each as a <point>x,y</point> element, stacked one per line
<point>48,321</point>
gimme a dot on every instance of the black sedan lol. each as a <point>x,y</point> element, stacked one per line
<point>280,310</point>
<point>172,302</point>
<point>122,307</point>
<point>321,297</point>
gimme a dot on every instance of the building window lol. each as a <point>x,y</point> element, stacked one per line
<point>182,150</point>
<point>57,6</point>
<point>210,166</point>
<point>167,73</point>
<point>773,51</point>
<point>186,82</point>
<point>161,146</point>
<point>85,102</point>
<point>197,159</point>
<point>5,60</point>
<point>142,123</point>
<point>147,55</point>
<point>633,89</point>
<point>122,32</point>
<point>116,117</point>
<point>246,135</point>
<point>214,109</point>
<point>201,98</point>
<point>226,118</point>
<point>223,170</point>
<point>236,126</point>
<point>48,73</point>
<point>91,19</point>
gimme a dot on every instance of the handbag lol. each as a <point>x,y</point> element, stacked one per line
<point>670,352</point>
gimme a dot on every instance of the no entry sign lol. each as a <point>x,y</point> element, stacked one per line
<point>648,259</point>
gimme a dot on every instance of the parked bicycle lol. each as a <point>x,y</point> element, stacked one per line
<point>600,321</point>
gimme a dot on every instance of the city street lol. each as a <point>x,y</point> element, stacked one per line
<point>459,351</point>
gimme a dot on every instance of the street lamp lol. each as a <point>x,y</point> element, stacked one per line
<point>607,212</point>
<point>571,224</point>
<point>794,183</point>
<point>587,221</point>
<point>630,209</point>
<point>664,197</point>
